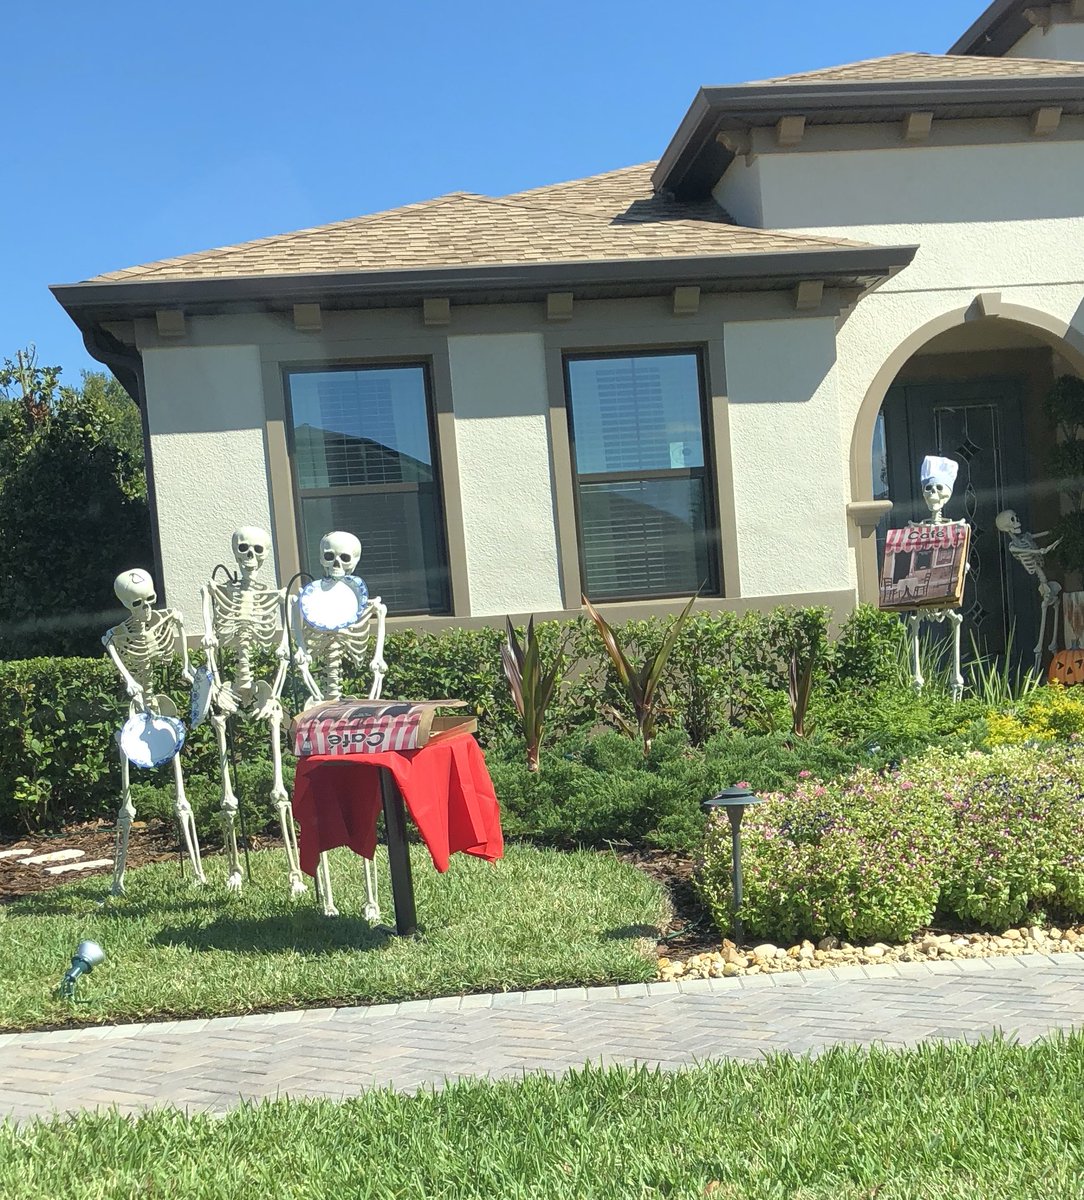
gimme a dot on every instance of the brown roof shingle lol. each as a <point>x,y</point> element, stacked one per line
<point>612,216</point>
<point>900,68</point>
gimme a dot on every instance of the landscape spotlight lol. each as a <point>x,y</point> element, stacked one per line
<point>735,800</point>
<point>86,957</point>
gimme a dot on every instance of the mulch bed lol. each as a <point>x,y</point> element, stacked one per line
<point>690,930</point>
<point>149,843</point>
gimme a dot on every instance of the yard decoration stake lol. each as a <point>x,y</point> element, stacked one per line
<point>532,687</point>
<point>150,637</point>
<point>246,615</point>
<point>642,686</point>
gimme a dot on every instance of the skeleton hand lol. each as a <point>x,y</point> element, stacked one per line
<point>136,693</point>
<point>380,667</point>
<point>225,700</point>
<point>302,658</point>
<point>188,675</point>
<point>210,640</point>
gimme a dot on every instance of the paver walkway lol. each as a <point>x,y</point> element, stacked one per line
<point>214,1064</point>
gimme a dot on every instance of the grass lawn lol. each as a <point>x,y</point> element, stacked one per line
<point>539,917</point>
<point>985,1122</point>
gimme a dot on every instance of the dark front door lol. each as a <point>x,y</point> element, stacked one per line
<point>980,426</point>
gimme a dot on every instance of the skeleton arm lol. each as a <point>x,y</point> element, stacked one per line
<point>302,658</point>
<point>379,666</point>
<point>182,645</point>
<point>283,651</point>
<point>135,691</point>
<point>210,638</point>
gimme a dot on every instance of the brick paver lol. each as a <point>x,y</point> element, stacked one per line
<point>214,1064</point>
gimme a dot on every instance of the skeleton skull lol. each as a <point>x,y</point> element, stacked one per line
<point>339,554</point>
<point>1008,522</point>
<point>135,590</point>
<point>936,495</point>
<point>250,545</point>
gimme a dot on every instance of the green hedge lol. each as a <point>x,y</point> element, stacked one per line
<point>727,673</point>
<point>985,839</point>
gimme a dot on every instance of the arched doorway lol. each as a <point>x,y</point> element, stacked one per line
<point>973,389</point>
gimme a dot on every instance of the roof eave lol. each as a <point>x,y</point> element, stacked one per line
<point>694,160</point>
<point>96,301</point>
<point>997,30</point>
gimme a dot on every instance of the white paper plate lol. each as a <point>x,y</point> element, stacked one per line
<point>333,603</point>
<point>150,741</point>
<point>199,704</point>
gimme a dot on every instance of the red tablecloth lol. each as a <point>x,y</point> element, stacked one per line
<point>446,787</point>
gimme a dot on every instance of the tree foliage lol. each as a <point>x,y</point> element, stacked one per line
<point>73,506</point>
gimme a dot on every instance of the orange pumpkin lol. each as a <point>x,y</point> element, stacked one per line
<point>1066,668</point>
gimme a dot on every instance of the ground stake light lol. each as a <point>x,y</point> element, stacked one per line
<point>735,800</point>
<point>87,956</point>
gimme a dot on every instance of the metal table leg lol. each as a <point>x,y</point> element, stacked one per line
<point>402,884</point>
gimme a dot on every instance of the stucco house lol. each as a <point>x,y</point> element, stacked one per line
<point>719,369</point>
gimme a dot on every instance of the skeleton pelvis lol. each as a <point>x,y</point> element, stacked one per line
<point>255,696</point>
<point>162,705</point>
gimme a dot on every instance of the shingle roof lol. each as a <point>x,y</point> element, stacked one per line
<point>612,216</point>
<point>944,67</point>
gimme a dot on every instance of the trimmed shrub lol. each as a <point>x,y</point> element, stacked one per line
<point>859,859</point>
<point>1048,714</point>
<point>1014,850</point>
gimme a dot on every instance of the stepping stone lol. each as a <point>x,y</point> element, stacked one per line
<point>19,852</point>
<point>55,856</point>
<point>79,866</point>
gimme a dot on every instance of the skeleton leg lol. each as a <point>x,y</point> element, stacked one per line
<point>372,903</point>
<point>1042,636</point>
<point>1056,605</point>
<point>228,809</point>
<point>957,621</point>
<point>187,819</point>
<point>914,620</point>
<point>323,887</point>
<point>125,817</point>
<point>285,809</point>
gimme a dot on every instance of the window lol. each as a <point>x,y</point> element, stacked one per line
<point>646,511</point>
<point>363,459</point>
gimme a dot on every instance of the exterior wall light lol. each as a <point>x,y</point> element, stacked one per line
<point>87,956</point>
<point>735,800</point>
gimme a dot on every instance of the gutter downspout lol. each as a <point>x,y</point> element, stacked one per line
<point>126,365</point>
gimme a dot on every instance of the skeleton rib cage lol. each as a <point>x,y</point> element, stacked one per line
<point>144,645</point>
<point>244,619</point>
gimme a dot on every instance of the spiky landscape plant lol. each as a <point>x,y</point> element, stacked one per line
<point>642,685</point>
<point>532,685</point>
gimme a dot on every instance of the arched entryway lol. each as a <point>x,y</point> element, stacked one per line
<point>971,386</point>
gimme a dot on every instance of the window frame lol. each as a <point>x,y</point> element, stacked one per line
<point>713,586</point>
<point>362,489</point>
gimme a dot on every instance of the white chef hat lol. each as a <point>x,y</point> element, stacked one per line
<point>938,470</point>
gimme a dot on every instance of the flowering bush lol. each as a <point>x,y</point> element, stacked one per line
<point>858,858</point>
<point>1048,714</point>
<point>1017,814</point>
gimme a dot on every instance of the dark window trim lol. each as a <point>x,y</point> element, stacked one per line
<point>713,585</point>
<point>300,494</point>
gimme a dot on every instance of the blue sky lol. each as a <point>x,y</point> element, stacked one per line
<point>135,131</point>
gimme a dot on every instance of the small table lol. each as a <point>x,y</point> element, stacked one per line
<point>445,785</point>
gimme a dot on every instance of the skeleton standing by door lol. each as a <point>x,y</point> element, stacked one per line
<point>937,475</point>
<point>245,615</point>
<point>149,639</point>
<point>1025,548</point>
<point>332,621</point>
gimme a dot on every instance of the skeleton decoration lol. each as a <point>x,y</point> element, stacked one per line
<point>1025,548</point>
<point>937,476</point>
<point>150,638</point>
<point>326,636</point>
<point>245,615</point>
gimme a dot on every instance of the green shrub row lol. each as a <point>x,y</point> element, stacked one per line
<point>984,839</point>
<point>58,716</point>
